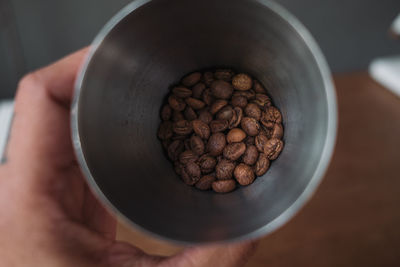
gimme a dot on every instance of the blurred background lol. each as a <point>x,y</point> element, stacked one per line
<point>34,33</point>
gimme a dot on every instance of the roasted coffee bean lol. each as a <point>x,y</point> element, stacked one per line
<point>244,174</point>
<point>218,125</point>
<point>178,167</point>
<point>271,116</point>
<point>186,142</point>
<point>249,140</point>
<point>250,156</point>
<point>175,149</point>
<point>201,129</point>
<point>218,105</point>
<point>224,74</point>
<point>273,148</point>
<point>179,137</point>
<point>177,116</point>
<point>236,118</point>
<point>223,186</point>
<point>277,131</point>
<point>176,103</point>
<point>234,151</point>
<point>216,144</point>
<point>224,169</point>
<point>191,79</point>
<point>260,142</point>
<point>193,170</point>
<point>190,114</point>
<point>207,97</point>
<point>181,92</point>
<point>182,127</point>
<point>258,87</point>
<point>205,182</point>
<point>221,89</point>
<point>198,90</point>
<point>207,163</point>
<point>208,78</point>
<point>262,165</point>
<point>165,130</point>
<point>250,126</point>
<point>187,156</point>
<point>166,143</point>
<point>225,113</point>
<point>166,113</point>
<point>253,111</point>
<point>185,177</point>
<point>239,101</point>
<point>205,116</point>
<point>242,82</point>
<point>195,103</point>
<point>249,94</point>
<point>197,145</point>
<point>263,101</point>
<point>235,135</point>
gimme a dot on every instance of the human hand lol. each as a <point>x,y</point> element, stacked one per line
<point>48,215</point>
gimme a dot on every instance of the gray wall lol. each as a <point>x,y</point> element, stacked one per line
<point>35,33</point>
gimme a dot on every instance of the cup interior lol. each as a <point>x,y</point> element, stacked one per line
<point>149,46</point>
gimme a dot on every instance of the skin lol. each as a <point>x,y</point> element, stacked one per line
<point>48,215</point>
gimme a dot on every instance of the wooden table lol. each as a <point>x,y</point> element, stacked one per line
<point>354,218</point>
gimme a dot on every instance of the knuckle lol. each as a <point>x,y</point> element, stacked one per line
<point>28,87</point>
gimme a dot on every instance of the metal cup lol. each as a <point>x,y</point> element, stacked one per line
<point>148,46</point>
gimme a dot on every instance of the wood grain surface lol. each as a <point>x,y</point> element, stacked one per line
<point>354,218</point>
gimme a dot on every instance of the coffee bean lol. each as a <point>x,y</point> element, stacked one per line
<point>218,125</point>
<point>224,169</point>
<point>235,135</point>
<point>221,89</point>
<point>249,94</point>
<point>185,177</point>
<point>198,90</point>
<point>258,87</point>
<point>189,114</point>
<point>195,103</point>
<point>242,82</point>
<point>263,101</point>
<point>201,129</point>
<point>271,116</point>
<point>166,113</point>
<point>250,126</point>
<point>186,142</point>
<point>260,142</point>
<point>182,127</point>
<point>175,149</point>
<point>225,113</point>
<point>244,174</point>
<point>207,163</point>
<point>179,137</point>
<point>262,165</point>
<point>193,170</point>
<point>208,78</point>
<point>218,105</point>
<point>250,155</point>
<point>249,140</point>
<point>181,92</point>
<point>165,130</point>
<point>176,103</point>
<point>239,101</point>
<point>216,144</point>
<point>207,97</point>
<point>224,74</point>
<point>205,182</point>
<point>253,111</point>
<point>187,156</point>
<point>223,186</point>
<point>236,118</point>
<point>166,143</point>
<point>177,116</point>
<point>197,145</point>
<point>178,167</point>
<point>277,131</point>
<point>205,116</point>
<point>234,151</point>
<point>273,148</point>
<point>191,79</point>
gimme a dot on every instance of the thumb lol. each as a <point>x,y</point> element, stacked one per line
<point>122,254</point>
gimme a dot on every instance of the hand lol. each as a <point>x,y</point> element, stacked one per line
<point>48,215</point>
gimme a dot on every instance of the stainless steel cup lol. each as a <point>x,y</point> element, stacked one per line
<point>115,114</point>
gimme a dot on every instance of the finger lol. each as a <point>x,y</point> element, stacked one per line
<point>234,255</point>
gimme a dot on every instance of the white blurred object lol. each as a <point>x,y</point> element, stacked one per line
<point>387,72</point>
<point>6,114</point>
<point>395,28</point>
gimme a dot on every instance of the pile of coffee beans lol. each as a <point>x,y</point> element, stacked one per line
<point>219,129</point>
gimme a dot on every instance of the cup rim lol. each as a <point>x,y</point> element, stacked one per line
<point>322,166</point>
